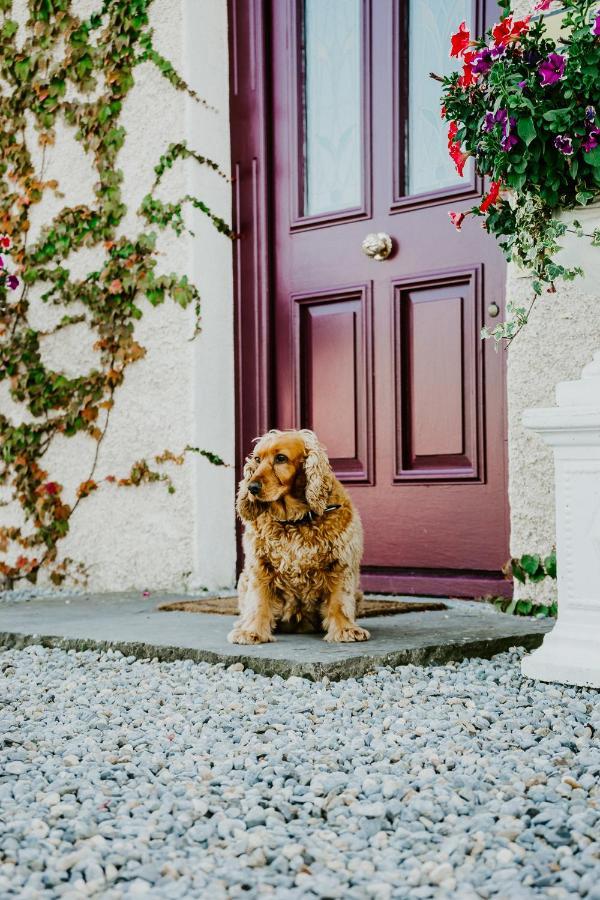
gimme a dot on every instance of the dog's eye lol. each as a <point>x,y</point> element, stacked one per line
<point>257,459</point>
<point>280,458</point>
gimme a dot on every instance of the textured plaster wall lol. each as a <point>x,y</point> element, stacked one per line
<point>182,392</point>
<point>560,338</point>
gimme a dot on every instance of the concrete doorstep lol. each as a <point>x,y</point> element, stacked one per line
<point>133,625</point>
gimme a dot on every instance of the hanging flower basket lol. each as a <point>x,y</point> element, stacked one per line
<point>526,107</point>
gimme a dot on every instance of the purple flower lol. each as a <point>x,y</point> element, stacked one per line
<point>596,26</point>
<point>501,117</point>
<point>498,118</point>
<point>590,114</point>
<point>591,142</point>
<point>1,263</point>
<point>483,61</point>
<point>13,282</point>
<point>490,121</point>
<point>552,69</point>
<point>522,84</point>
<point>509,140</point>
<point>564,144</point>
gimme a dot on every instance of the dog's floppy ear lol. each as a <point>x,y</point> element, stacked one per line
<point>319,478</point>
<point>247,509</point>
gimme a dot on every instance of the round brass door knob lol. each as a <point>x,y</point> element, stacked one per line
<point>377,245</point>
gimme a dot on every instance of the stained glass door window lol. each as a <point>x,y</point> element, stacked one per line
<point>430,24</point>
<point>331,99</point>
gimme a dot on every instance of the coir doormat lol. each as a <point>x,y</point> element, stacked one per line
<point>227,606</point>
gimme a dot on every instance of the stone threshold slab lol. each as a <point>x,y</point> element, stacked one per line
<point>133,625</point>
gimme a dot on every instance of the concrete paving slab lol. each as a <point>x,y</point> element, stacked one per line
<point>133,625</point>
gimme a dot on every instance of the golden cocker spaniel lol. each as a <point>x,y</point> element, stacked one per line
<point>302,544</point>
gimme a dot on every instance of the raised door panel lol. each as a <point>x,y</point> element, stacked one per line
<point>333,373</point>
<point>438,378</point>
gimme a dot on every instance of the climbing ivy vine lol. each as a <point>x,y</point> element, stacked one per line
<point>59,67</point>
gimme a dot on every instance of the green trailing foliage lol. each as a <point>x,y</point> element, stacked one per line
<point>63,68</point>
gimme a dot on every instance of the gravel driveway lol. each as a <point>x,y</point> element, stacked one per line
<point>124,778</point>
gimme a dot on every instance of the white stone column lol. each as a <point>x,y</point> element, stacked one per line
<point>570,653</point>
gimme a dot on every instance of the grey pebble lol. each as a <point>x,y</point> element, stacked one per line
<point>124,778</point>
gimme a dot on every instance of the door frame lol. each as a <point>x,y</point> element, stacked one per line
<point>252,168</point>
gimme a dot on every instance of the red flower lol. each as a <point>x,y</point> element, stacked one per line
<point>52,487</point>
<point>521,26</point>
<point>460,41</point>
<point>468,78</point>
<point>459,157</point>
<point>457,218</point>
<point>5,241</point>
<point>455,150</point>
<point>507,30</point>
<point>492,197</point>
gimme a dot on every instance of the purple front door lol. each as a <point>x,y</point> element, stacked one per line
<point>383,359</point>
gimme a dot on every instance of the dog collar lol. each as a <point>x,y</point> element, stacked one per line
<point>309,517</point>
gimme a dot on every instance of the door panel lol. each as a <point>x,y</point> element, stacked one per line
<point>388,369</point>
<point>333,374</point>
<point>438,384</point>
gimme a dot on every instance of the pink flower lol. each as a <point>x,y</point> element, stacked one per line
<point>596,26</point>
<point>457,218</point>
<point>1,263</point>
<point>460,41</point>
<point>543,5</point>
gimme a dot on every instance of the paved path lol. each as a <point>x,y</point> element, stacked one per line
<point>133,625</point>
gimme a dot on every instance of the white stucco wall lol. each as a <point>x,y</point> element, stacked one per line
<point>560,338</point>
<point>182,392</point>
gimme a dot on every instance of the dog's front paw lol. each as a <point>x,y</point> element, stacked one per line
<point>247,636</point>
<point>347,634</point>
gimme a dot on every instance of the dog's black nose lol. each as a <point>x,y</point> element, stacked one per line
<point>254,487</point>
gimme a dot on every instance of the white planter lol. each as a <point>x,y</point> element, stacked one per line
<point>577,250</point>
<point>571,652</point>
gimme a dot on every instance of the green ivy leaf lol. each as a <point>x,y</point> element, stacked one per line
<point>524,607</point>
<point>550,565</point>
<point>530,563</point>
